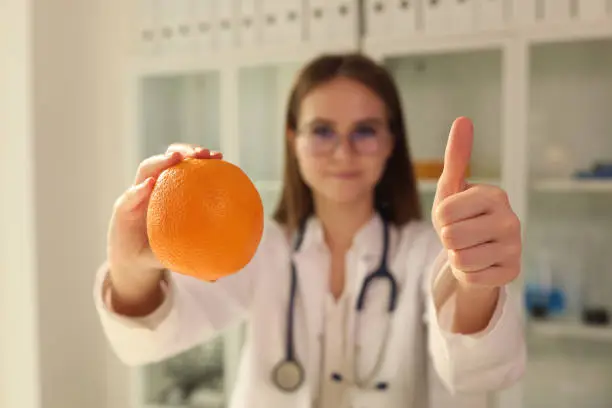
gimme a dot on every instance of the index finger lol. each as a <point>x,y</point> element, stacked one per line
<point>192,150</point>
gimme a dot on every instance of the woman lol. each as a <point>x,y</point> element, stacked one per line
<point>349,188</point>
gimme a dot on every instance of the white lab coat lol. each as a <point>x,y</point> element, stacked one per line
<point>467,366</point>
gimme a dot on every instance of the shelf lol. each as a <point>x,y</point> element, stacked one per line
<point>421,44</point>
<point>429,186</point>
<point>570,330</point>
<point>573,186</point>
<point>161,64</point>
<point>568,31</point>
<point>425,186</point>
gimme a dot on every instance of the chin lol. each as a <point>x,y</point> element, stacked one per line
<point>345,194</point>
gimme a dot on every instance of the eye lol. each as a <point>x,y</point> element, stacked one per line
<point>365,131</point>
<point>323,131</point>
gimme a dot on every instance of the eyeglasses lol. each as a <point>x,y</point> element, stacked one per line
<point>321,139</point>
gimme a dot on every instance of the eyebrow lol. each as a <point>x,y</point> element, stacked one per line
<point>364,121</point>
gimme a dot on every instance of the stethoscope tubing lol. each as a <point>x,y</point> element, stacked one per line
<point>288,375</point>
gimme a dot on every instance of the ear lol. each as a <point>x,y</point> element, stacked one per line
<point>290,134</point>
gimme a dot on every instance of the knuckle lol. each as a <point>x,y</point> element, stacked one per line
<point>443,213</point>
<point>511,225</point>
<point>450,237</point>
<point>514,251</point>
<point>119,204</point>
<point>146,164</point>
<point>499,195</point>
<point>459,259</point>
<point>473,278</point>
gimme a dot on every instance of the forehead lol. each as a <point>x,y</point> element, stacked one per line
<point>341,100</point>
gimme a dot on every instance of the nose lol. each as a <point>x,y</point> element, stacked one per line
<point>343,149</point>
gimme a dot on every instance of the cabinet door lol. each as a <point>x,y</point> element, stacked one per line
<point>182,109</point>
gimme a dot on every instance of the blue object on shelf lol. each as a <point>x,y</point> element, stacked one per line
<point>599,170</point>
<point>544,301</point>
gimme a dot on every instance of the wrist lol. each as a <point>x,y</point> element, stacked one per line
<point>476,291</point>
<point>131,282</point>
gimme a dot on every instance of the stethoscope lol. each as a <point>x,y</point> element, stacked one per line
<point>288,375</point>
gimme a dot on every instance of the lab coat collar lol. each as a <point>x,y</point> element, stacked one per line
<point>312,264</point>
<point>367,240</point>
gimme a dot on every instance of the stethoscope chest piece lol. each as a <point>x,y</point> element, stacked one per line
<point>288,375</point>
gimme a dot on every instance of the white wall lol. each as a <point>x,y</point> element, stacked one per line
<point>19,370</point>
<point>58,128</point>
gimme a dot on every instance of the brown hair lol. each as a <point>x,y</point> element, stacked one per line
<point>396,196</point>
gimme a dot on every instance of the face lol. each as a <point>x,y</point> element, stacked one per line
<point>342,142</point>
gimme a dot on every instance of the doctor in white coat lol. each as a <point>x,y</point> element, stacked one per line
<point>351,299</point>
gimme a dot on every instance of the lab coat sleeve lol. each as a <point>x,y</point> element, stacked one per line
<point>490,360</point>
<point>192,311</point>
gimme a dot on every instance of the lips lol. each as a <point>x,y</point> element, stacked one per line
<point>346,175</point>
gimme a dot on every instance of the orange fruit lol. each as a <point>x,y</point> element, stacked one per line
<point>205,218</point>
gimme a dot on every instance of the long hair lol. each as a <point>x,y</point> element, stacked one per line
<point>396,196</point>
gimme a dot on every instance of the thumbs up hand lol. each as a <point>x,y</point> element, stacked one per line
<point>475,223</point>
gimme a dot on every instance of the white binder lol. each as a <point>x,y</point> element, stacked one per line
<point>461,15</point>
<point>148,33</point>
<point>225,24</point>
<point>176,27</point>
<point>343,21</point>
<point>318,21</point>
<point>593,9</point>
<point>491,14</point>
<point>403,15</point>
<point>292,21</point>
<point>272,20</point>
<point>248,23</point>
<point>556,11</point>
<point>378,18</point>
<point>436,14</point>
<point>204,25</point>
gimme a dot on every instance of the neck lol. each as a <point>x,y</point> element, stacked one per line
<point>341,221</point>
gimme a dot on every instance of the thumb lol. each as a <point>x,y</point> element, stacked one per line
<point>456,159</point>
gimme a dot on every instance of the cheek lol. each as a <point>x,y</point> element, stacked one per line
<point>310,167</point>
<point>375,168</point>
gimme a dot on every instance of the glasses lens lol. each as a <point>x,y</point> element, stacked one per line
<point>366,140</point>
<point>321,139</point>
